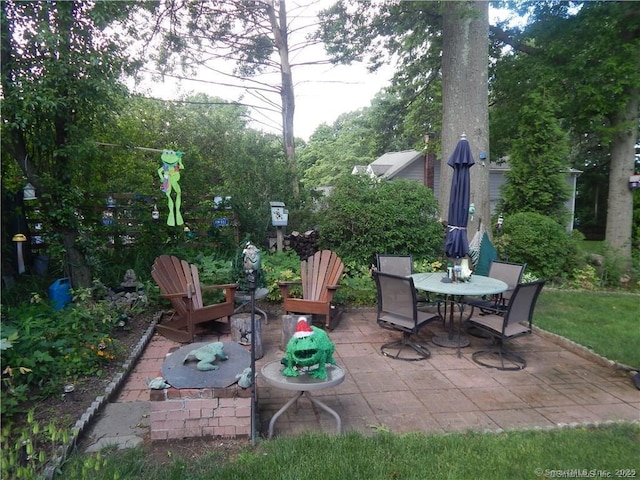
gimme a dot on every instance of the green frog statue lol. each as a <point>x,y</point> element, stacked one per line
<point>207,354</point>
<point>309,346</point>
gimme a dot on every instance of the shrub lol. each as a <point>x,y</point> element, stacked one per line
<point>541,242</point>
<point>42,349</point>
<point>365,216</point>
<point>280,266</point>
<point>357,286</point>
<point>584,279</point>
<point>614,267</point>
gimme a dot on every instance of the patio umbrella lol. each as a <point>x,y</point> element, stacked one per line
<point>456,244</point>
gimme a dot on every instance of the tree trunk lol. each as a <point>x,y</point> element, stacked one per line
<point>79,272</point>
<point>279,29</point>
<point>465,64</point>
<point>620,202</point>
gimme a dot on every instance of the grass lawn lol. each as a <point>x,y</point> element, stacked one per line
<point>512,455</point>
<point>608,323</point>
<point>593,246</point>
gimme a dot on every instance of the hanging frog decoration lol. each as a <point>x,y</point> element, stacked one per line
<point>169,174</point>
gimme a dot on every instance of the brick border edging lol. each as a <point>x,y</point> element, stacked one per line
<point>581,350</point>
<point>101,400</point>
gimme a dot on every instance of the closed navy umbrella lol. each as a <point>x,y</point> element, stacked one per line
<point>456,244</point>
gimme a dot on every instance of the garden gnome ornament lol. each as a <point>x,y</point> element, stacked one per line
<point>169,174</point>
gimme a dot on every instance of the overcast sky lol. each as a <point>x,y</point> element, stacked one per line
<point>322,93</point>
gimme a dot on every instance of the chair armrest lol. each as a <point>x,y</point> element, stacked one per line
<point>284,287</point>
<point>219,287</point>
<point>333,287</point>
<point>169,296</point>
<point>229,288</point>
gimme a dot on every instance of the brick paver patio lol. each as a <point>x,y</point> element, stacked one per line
<point>441,394</point>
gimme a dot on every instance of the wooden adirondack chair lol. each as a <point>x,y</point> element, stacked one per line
<point>179,282</point>
<point>320,275</point>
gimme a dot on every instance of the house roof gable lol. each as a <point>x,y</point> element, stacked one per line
<point>392,163</point>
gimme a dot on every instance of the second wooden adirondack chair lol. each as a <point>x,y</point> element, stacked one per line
<point>320,275</point>
<point>179,282</point>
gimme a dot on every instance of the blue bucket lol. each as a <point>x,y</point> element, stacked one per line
<point>60,293</point>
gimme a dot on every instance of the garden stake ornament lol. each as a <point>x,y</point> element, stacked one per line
<point>169,174</point>
<point>251,262</point>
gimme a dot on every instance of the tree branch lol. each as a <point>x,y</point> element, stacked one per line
<point>506,38</point>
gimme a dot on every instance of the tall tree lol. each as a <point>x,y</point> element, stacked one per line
<point>538,162</point>
<point>256,37</point>
<point>431,41</point>
<point>334,150</point>
<point>356,138</point>
<point>567,47</point>
<point>604,94</point>
<point>60,66</point>
<point>465,65</point>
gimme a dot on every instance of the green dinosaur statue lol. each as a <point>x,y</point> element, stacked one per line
<point>206,355</point>
<point>313,347</point>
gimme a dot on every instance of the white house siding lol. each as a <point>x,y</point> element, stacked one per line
<point>496,180</point>
<point>436,178</point>
<point>415,172</point>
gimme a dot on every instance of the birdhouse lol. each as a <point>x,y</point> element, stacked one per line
<point>29,192</point>
<point>279,216</point>
<point>634,181</point>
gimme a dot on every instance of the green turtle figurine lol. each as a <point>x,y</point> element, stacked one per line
<point>308,347</point>
<point>207,354</point>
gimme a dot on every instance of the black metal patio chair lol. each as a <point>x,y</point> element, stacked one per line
<point>397,310</point>
<point>515,322</point>
<point>509,273</point>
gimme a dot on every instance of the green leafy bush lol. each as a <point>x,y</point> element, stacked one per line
<point>44,348</point>
<point>584,278</point>
<point>280,267</point>
<point>356,287</point>
<point>541,242</point>
<point>366,216</point>
<point>614,267</point>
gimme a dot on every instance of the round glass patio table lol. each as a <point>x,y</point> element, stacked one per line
<point>302,384</point>
<point>477,285</point>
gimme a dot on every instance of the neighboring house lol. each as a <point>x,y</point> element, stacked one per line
<point>411,165</point>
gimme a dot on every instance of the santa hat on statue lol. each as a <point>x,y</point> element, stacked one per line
<point>302,329</point>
